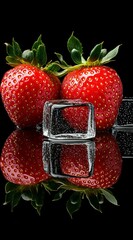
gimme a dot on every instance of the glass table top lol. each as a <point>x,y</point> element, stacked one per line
<point>46,182</point>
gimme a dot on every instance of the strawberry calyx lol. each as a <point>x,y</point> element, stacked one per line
<point>98,56</point>
<point>36,56</point>
<point>35,194</point>
<point>95,196</point>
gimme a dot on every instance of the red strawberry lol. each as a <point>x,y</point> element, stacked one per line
<point>77,117</point>
<point>74,159</point>
<point>26,87</point>
<point>92,81</point>
<point>107,163</point>
<point>21,158</point>
<point>98,187</point>
<point>22,166</point>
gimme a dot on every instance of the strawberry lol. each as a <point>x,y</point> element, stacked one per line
<point>22,166</point>
<point>28,84</point>
<point>75,161</point>
<point>106,172</point>
<point>107,163</point>
<point>92,81</point>
<point>21,158</point>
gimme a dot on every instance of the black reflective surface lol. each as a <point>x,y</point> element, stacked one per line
<point>89,24</point>
<point>47,182</point>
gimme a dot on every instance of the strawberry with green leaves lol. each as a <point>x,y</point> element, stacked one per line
<point>97,187</point>
<point>22,167</point>
<point>107,162</point>
<point>91,80</point>
<point>28,84</point>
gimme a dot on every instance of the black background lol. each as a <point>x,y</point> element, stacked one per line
<point>92,23</point>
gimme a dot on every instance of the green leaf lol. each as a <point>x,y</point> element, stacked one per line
<point>15,200</point>
<point>93,201</point>
<point>53,67</point>
<point>39,197</point>
<point>16,48</point>
<point>109,196</point>
<point>50,185</point>
<point>103,53</point>
<point>36,207</point>
<point>9,49</point>
<point>74,203</point>
<point>12,197</point>
<point>75,197</point>
<point>9,187</point>
<point>41,55</point>
<point>59,194</point>
<point>8,197</point>
<point>37,43</point>
<point>100,197</point>
<point>60,57</point>
<point>27,196</point>
<point>12,61</point>
<point>35,194</point>
<point>110,55</point>
<point>74,43</point>
<point>76,56</point>
<point>28,55</point>
<point>95,52</point>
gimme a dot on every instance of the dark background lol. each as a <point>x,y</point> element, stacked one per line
<point>92,23</point>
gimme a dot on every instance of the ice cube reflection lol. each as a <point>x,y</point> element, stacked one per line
<point>78,155</point>
<point>124,137</point>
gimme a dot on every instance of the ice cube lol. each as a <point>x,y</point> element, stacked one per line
<point>68,119</point>
<point>125,115</point>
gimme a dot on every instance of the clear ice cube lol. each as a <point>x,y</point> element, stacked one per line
<point>125,115</point>
<point>68,120</point>
<point>123,127</point>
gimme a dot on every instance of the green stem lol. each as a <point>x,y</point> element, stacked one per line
<point>69,69</point>
<point>72,68</point>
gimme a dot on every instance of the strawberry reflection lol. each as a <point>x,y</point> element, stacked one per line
<point>34,166</point>
<point>97,187</point>
<point>21,165</point>
<point>21,158</point>
<point>107,165</point>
